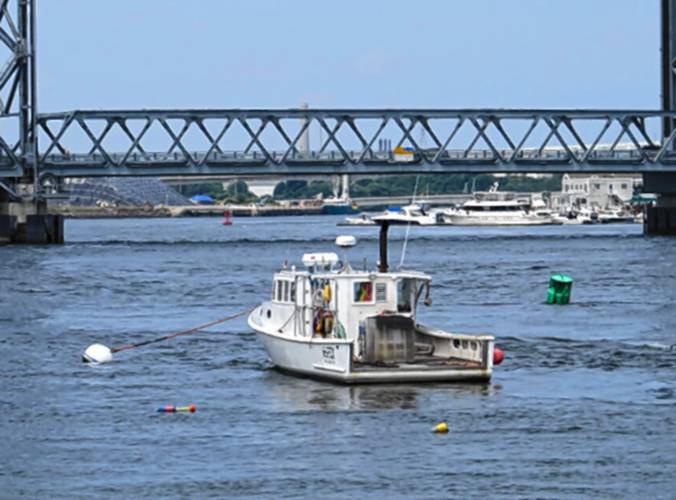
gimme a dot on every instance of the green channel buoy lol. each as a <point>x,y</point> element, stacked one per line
<point>560,286</point>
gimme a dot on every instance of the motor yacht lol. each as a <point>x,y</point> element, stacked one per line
<point>494,208</point>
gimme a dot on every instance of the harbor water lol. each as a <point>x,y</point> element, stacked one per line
<point>584,404</point>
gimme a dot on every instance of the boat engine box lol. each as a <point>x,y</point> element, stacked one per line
<point>389,339</point>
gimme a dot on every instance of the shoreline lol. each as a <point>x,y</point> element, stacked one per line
<point>75,212</point>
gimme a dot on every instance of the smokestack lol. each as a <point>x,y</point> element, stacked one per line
<point>304,141</point>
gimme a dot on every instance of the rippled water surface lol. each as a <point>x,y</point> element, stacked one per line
<point>583,406</point>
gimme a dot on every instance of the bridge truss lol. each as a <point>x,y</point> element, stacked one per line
<point>300,141</point>
<point>277,142</point>
<point>18,89</point>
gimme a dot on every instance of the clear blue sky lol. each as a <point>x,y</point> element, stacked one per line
<point>348,53</point>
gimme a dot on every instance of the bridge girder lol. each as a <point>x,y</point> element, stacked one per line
<point>354,141</point>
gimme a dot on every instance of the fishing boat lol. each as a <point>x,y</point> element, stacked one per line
<point>331,321</point>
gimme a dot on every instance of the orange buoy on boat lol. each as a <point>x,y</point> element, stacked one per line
<point>498,356</point>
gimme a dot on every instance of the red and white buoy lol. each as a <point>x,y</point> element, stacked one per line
<point>227,218</point>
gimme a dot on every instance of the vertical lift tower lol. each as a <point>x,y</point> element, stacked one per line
<point>661,219</point>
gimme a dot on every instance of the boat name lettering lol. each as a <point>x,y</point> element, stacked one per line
<point>329,355</point>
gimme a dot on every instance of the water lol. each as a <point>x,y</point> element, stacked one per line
<point>583,406</point>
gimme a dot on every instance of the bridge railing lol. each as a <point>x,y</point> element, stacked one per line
<point>295,141</point>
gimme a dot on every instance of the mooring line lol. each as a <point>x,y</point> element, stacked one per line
<point>182,332</point>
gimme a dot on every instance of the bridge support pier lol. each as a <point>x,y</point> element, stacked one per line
<point>661,219</point>
<point>26,221</point>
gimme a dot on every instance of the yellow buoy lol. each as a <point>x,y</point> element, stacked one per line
<point>327,293</point>
<point>441,428</point>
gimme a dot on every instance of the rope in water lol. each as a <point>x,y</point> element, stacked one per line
<point>182,332</point>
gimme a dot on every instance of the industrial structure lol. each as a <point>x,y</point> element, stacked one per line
<point>37,150</point>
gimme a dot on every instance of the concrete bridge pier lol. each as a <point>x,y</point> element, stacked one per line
<point>24,219</point>
<point>661,219</point>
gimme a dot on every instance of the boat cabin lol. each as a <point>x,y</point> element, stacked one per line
<point>329,299</point>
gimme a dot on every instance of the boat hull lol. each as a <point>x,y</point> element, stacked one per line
<point>332,359</point>
<point>471,220</point>
<point>403,221</point>
<point>328,209</point>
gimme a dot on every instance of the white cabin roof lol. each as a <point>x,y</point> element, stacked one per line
<point>320,259</point>
<point>352,274</point>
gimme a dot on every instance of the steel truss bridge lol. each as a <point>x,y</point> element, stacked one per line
<point>260,142</point>
<point>235,142</point>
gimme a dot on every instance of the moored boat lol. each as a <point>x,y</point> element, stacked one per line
<point>361,219</point>
<point>331,321</point>
<point>416,214</point>
<point>494,208</point>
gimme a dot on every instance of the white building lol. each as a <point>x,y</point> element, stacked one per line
<point>595,190</point>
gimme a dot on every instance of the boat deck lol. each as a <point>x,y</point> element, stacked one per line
<point>420,363</point>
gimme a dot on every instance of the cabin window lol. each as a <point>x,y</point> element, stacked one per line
<point>279,291</point>
<point>286,291</point>
<point>292,287</point>
<point>363,291</point>
<point>381,292</point>
<point>405,291</point>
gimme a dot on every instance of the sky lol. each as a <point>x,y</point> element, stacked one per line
<point>123,54</point>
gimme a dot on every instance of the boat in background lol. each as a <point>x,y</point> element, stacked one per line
<point>360,220</point>
<point>417,214</point>
<point>494,208</point>
<point>343,204</point>
<point>615,216</point>
<point>339,206</point>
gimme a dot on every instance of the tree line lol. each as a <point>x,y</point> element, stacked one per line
<point>391,185</point>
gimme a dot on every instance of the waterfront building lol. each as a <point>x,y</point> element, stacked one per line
<point>595,190</point>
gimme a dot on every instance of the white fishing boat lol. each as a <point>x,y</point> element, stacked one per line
<point>331,321</point>
<point>494,208</point>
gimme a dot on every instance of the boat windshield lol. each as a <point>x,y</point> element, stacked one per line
<point>405,294</point>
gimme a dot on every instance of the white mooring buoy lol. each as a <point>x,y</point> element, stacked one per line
<point>97,354</point>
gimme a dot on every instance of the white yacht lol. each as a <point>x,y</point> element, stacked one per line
<point>331,321</point>
<point>417,214</point>
<point>615,216</point>
<point>493,208</point>
<point>361,219</point>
